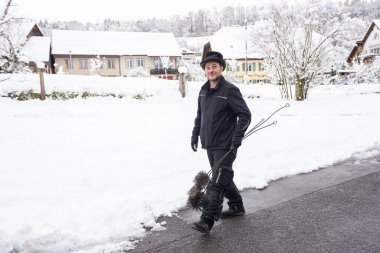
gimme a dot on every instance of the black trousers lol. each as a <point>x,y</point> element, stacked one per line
<point>221,185</point>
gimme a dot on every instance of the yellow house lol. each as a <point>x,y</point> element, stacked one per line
<point>119,52</point>
<point>251,70</point>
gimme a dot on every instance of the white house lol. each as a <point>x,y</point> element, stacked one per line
<point>365,50</point>
<point>243,60</point>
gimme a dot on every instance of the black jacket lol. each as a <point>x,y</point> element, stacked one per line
<point>222,116</point>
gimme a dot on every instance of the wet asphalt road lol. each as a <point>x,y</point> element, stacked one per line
<point>334,209</point>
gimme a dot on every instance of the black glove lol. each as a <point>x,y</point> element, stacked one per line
<point>194,143</point>
<point>236,143</point>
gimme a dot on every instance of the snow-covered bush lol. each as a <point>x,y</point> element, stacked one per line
<point>141,96</point>
<point>138,72</point>
<point>194,71</point>
<point>56,95</point>
<point>368,73</point>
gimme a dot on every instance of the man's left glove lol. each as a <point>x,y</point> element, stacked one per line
<point>194,143</point>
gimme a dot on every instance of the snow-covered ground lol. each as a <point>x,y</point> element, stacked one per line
<point>88,175</point>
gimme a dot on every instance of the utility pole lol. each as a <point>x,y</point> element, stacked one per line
<point>41,69</point>
<point>70,63</point>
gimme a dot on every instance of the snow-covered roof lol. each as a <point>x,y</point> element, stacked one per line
<point>36,49</point>
<point>194,43</point>
<point>17,33</point>
<point>377,22</point>
<point>230,41</point>
<point>185,50</point>
<point>21,29</point>
<point>114,43</point>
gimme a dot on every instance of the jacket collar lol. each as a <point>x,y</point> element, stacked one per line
<point>206,86</point>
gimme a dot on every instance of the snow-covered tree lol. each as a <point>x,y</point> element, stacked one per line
<point>297,47</point>
<point>5,20</point>
<point>194,71</point>
<point>232,64</point>
<point>11,41</point>
<point>95,64</point>
<point>165,60</point>
<point>366,10</point>
<point>206,22</point>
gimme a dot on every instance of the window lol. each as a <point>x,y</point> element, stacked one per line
<point>376,36</point>
<point>261,67</point>
<point>83,63</point>
<point>140,62</point>
<point>128,63</point>
<point>111,63</point>
<point>157,63</point>
<point>249,66</point>
<point>68,64</point>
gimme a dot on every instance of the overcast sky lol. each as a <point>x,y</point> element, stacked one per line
<point>95,10</point>
<point>98,10</point>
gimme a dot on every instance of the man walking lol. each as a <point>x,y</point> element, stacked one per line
<point>221,121</point>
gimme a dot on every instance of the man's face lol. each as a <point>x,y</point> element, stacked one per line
<point>213,71</point>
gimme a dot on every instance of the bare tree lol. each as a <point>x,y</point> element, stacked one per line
<point>4,22</point>
<point>296,49</point>
<point>11,42</point>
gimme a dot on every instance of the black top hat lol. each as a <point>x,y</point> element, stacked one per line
<point>213,56</point>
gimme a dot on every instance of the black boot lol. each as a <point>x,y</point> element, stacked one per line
<point>233,212</point>
<point>203,226</point>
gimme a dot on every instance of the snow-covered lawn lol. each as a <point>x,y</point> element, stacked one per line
<point>87,175</point>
